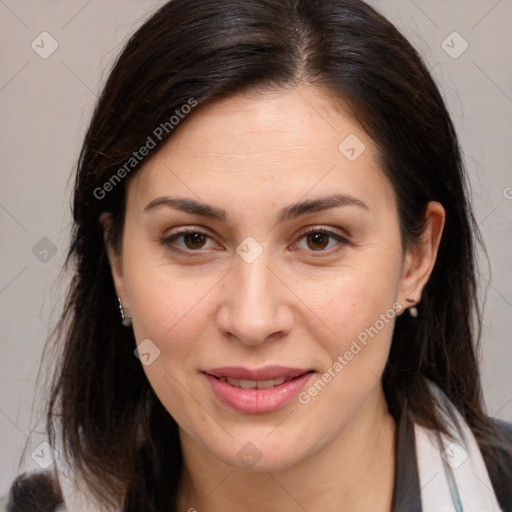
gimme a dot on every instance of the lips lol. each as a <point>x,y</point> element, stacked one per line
<point>256,391</point>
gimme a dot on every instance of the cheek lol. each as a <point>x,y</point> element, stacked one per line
<point>358,350</point>
<point>173,313</point>
<point>161,294</point>
<point>170,312</point>
<point>360,315</point>
<point>358,309</point>
<point>354,301</point>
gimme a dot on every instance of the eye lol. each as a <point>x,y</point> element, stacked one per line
<point>321,240</point>
<point>317,239</point>
<point>192,240</point>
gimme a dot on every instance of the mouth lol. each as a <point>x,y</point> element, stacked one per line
<point>254,384</point>
<point>261,378</point>
<point>256,391</point>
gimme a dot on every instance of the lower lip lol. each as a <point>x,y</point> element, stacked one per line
<point>257,400</point>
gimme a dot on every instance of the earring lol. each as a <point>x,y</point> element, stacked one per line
<point>413,310</point>
<point>125,320</point>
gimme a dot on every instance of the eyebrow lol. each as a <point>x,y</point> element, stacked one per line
<point>291,211</point>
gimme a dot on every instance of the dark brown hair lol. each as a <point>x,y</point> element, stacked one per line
<point>110,422</point>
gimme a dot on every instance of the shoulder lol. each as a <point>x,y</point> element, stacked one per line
<point>505,428</point>
<point>498,460</point>
<point>33,492</point>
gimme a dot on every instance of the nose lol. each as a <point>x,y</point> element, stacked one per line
<point>257,304</point>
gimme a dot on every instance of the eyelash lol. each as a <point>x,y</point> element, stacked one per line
<point>169,240</point>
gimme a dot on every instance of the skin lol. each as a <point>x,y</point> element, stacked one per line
<point>301,303</point>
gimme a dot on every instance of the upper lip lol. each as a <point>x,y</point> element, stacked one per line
<point>266,373</point>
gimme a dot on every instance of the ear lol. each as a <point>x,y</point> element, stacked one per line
<point>115,261</point>
<point>420,257</point>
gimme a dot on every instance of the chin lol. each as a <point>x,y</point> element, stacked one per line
<point>260,455</point>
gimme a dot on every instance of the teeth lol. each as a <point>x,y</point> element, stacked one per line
<point>246,384</point>
<point>265,384</point>
<point>253,384</point>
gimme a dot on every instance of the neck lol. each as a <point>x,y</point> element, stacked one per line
<point>355,472</point>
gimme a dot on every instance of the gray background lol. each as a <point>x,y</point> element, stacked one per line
<point>46,105</point>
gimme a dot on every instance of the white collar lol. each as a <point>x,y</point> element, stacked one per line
<point>452,473</point>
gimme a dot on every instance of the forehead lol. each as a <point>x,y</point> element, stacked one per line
<point>291,141</point>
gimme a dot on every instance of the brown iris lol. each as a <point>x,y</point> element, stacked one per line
<point>317,241</point>
<point>194,240</point>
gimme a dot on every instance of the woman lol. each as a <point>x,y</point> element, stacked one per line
<point>274,290</point>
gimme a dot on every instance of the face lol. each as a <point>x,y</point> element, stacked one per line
<point>258,249</point>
